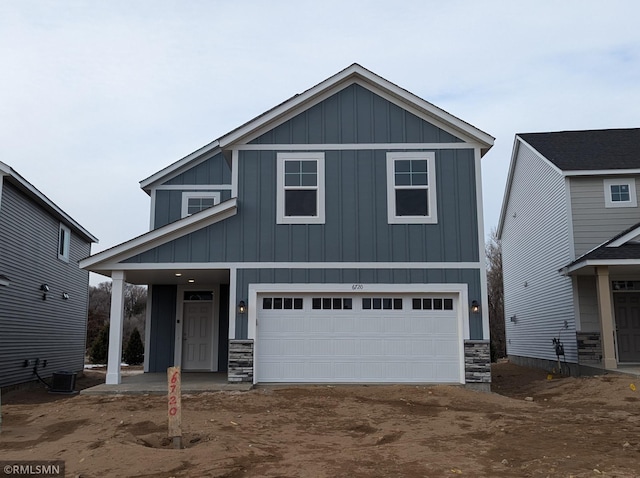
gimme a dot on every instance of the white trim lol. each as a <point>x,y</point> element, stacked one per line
<point>353,146</point>
<point>116,319</point>
<point>193,187</point>
<point>233,284</point>
<point>602,172</point>
<point>608,200</point>
<point>186,195</point>
<point>64,243</point>
<point>282,158</point>
<point>147,327</point>
<point>632,234</point>
<point>484,299</point>
<point>215,321</point>
<point>152,210</point>
<point>460,289</point>
<point>567,200</point>
<point>234,173</point>
<point>358,75</point>
<point>181,165</point>
<point>285,265</point>
<point>577,319</point>
<point>598,262</point>
<point>432,204</point>
<point>162,235</point>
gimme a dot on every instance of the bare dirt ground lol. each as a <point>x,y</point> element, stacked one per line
<point>573,427</point>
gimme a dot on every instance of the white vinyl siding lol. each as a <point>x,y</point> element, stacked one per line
<point>593,222</point>
<point>535,245</point>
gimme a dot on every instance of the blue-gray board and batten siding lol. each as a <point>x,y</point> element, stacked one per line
<point>356,227</point>
<point>30,327</point>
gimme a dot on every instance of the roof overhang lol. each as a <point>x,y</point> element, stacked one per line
<point>588,267</point>
<point>107,261</point>
<point>300,102</point>
<point>48,204</point>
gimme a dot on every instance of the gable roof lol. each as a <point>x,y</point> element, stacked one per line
<point>29,189</point>
<point>589,150</point>
<point>300,102</point>
<point>621,247</point>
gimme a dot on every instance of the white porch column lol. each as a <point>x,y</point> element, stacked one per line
<point>115,328</point>
<point>606,317</point>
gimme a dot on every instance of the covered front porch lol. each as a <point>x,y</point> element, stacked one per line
<point>187,322</point>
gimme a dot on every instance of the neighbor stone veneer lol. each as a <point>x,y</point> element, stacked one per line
<point>589,348</point>
<point>240,361</point>
<point>477,361</point>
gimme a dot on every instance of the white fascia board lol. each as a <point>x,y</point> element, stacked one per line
<point>598,262</point>
<point>159,236</point>
<point>357,74</point>
<point>6,170</point>
<point>180,166</point>
<point>632,234</point>
<point>603,172</point>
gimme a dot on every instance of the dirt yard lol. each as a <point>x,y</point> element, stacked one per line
<point>528,427</point>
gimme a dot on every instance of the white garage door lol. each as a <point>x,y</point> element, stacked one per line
<point>354,338</point>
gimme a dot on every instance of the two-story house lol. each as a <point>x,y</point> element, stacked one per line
<point>43,293</point>
<point>337,237</point>
<point>570,232</point>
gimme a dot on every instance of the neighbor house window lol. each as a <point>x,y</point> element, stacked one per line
<point>64,242</point>
<point>300,183</point>
<point>193,202</point>
<point>411,188</point>
<point>620,193</point>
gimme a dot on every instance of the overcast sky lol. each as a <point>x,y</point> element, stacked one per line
<point>98,95</point>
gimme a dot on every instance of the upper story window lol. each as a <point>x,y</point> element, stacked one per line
<point>620,192</point>
<point>64,242</point>
<point>300,193</point>
<point>193,202</point>
<point>411,188</point>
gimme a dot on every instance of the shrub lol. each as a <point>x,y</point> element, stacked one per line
<point>134,351</point>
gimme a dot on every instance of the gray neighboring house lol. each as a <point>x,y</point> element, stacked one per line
<point>337,237</point>
<point>570,232</point>
<point>43,292</point>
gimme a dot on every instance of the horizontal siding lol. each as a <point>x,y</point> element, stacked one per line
<point>535,245</point>
<point>360,276</point>
<point>355,115</point>
<point>356,227</point>
<point>594,224</point>
<point>30,328</point>
<point>588,304</point>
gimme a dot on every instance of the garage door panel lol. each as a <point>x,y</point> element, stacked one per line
<point>355,345</point>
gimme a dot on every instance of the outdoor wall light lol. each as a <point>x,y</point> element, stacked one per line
<point>475,307</point>
<point>513,319</point>
<point>242,307</point>
<point>44,288</point>
<point>65,296</point>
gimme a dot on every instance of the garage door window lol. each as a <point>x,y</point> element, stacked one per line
<point>381,303</point>
<point>282,303</point>
<point>432,304</point>
<point>331,303</point>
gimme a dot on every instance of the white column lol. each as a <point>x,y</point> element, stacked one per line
<point>115,328</point>
<point>605,306</point>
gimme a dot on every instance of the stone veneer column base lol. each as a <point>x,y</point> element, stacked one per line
<point>477,364</point>
<point>240,361</point>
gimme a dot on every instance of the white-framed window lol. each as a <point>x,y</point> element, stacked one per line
<point>196,201</point>
<point>620,192</point>
<point>411,188</point>
<point>64,242</point>
<point>300,193</point>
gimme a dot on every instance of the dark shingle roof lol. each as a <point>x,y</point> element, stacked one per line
<point>590,149</point>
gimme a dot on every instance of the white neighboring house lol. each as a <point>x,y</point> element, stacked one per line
<point>570,232</point>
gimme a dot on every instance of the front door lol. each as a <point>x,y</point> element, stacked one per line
<point>197,336</point>
<point>627,309</point>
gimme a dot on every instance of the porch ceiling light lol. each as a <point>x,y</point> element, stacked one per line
<point>191,281</point>
<point>178,274</point>
<point>242,307</point>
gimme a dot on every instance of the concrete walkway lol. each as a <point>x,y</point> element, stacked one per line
<point>156,384</point>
